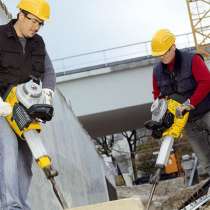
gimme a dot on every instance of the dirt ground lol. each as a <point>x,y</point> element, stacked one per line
<point>169,194</point>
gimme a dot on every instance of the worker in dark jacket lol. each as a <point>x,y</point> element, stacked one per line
<point>185,74</point>
<point>22,56</point>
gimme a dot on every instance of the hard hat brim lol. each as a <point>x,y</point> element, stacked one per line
<point>156,54</point>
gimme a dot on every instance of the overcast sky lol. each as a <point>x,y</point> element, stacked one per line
<point>78,26</point>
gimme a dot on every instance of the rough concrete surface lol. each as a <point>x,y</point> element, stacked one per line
<point>169,194</point>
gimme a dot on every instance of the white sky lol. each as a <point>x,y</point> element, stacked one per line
<point>78,26</point>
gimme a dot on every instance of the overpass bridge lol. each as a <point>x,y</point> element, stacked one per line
<point>114,95</point>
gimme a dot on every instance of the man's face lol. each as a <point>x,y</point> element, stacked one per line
<point>169,55</point>
<point>29,24</point>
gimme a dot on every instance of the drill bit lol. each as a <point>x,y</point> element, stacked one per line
<point>151,195</point>
<point>154,180</point>
<point>58,194</point>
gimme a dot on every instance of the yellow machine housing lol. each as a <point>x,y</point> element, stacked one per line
<point>43,161</point>
<point>11,98</point>
<point>179,123</point>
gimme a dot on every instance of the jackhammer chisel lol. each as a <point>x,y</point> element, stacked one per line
<point>28,110</point>
<point>161,162</point>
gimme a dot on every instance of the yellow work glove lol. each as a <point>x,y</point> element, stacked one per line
<point>5,108</point>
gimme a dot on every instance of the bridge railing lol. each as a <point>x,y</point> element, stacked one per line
<point>114,54</point>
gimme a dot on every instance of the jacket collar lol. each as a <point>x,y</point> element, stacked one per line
<point>176,65</point>
<point>10,30</point>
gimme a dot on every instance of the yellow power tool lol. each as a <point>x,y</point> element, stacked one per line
<point>166,126</point>
<point>28,111</point>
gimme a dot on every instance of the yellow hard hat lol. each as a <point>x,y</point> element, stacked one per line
<point>162,41</point>
<point>39,8</point>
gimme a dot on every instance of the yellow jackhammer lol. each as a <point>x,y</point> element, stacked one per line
<point>166,126</point>
<point>28,111</point>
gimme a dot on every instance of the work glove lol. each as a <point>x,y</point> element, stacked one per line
<point>48,95</point>
<point>182,109</point>
<point>5,108</point>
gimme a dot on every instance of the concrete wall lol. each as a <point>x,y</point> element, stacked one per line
<point>82,175</point>
<point>4,15</point>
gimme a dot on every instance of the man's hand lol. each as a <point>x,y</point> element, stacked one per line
<point>182,109</point>
<point>5,108</point>
<point>48,95</point>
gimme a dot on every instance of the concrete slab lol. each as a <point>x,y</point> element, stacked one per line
<point>123,204</point>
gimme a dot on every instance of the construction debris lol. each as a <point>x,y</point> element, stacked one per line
<point>169,194</point>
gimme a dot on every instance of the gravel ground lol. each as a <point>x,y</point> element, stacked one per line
<point>169,194</point>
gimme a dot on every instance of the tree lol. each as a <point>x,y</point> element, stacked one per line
<point>104,145</point>
<point>131,138</point>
